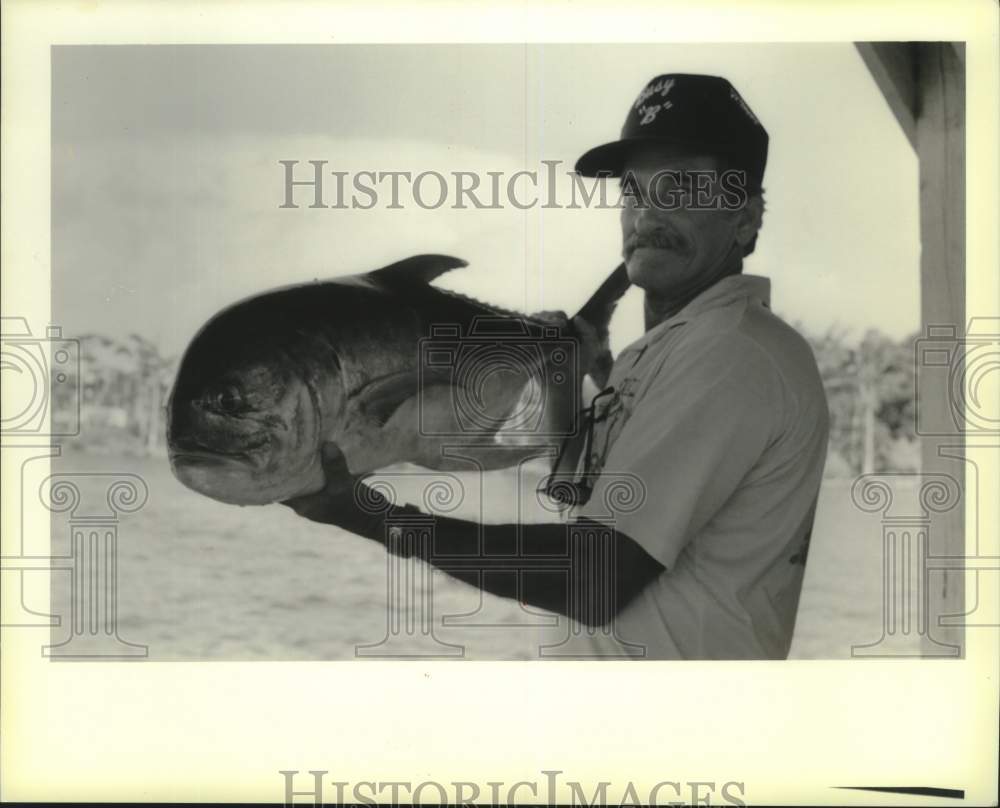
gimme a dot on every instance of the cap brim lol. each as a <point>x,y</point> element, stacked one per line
<point>608,159</point>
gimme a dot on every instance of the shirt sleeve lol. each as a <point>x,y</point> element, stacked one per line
<point>693,436</point>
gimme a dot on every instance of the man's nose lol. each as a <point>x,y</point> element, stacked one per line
<point>649,219</point>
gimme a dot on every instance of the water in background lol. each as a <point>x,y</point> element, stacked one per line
<point>203,580</point>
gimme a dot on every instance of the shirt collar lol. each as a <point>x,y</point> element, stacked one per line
<point>728,290</point>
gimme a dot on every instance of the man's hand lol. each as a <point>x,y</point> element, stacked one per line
<point>593,350</point>
<point>591,597</point>
<point>340,499</point>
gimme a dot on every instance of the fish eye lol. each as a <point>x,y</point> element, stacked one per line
<point>229,399</point>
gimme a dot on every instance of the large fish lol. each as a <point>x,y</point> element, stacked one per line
<point>386,366</point>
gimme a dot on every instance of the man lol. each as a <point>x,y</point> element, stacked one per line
<point>715,418</point>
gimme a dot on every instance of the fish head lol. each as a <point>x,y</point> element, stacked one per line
<point>244,422</point>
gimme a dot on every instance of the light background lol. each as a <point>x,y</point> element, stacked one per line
<point>167,185</point>
<point>221,731</point>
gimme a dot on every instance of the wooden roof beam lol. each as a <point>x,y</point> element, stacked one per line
<point>893,65</point>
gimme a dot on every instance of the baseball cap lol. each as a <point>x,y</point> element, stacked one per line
<point>704,113</point>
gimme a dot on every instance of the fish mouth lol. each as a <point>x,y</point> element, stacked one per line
<point>191,452</point>
<point>191,458</point>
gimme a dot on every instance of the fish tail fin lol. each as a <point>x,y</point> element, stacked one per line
<point>596,314</point>
<point>598,309</point>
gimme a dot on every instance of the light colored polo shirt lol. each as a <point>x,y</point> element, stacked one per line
<point>719,422</point>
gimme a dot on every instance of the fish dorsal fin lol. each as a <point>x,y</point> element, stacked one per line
<point>416,269</point>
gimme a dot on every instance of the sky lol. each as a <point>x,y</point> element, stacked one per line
<point>167,186</point>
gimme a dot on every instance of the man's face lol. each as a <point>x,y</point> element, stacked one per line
<point>672,241</point>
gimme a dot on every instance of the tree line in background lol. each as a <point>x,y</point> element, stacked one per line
<point>121,393</point>
<point>870,390</point>
<point>124,384</point>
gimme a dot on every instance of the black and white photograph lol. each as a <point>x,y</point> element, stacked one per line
<point>622,355</point>
<point>289,268</point>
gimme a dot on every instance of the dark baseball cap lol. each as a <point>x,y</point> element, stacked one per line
<point>703,113</point>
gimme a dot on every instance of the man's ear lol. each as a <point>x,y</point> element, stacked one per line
<point>751,216</point>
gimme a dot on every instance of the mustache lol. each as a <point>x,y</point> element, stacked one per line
<point>658,239</point>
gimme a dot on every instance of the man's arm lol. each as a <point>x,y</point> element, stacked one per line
<point>584,569</point>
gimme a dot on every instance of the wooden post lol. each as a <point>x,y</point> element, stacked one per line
<point>940,145</point>
<point>924,85</point>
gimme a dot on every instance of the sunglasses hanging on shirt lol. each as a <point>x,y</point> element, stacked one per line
<point>561,485</point>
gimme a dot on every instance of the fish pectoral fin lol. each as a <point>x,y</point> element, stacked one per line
<point>416,269</point>
<point>380,398</point>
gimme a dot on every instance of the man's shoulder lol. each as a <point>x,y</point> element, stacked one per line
<point>744,330</point>
<point>760,350</point>
<point>714,353</point>
<point>781,342</point>
<point>750,329</point>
